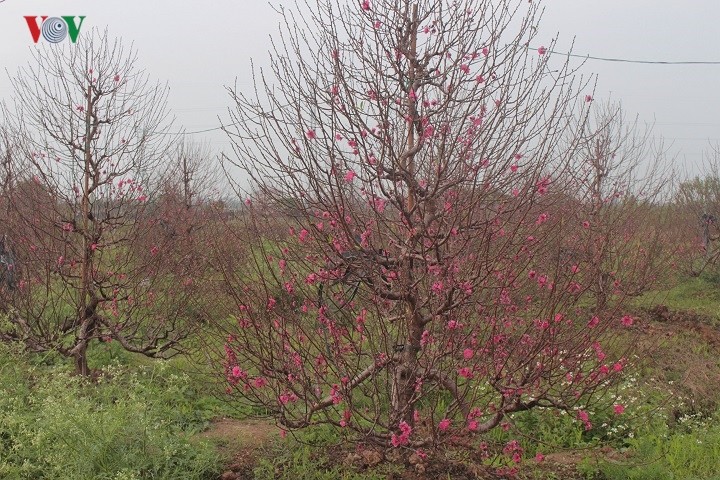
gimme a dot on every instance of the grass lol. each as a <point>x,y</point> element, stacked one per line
<point>696,295</point>
<point>131,424</point>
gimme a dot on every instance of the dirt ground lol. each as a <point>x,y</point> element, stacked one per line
<point>240,441</point>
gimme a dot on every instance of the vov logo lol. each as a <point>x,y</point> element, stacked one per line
<point>54,29</point>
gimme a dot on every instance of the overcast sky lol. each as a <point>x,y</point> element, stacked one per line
<point>199,47</point>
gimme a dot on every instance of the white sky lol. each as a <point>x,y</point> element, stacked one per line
<point>199,47</point>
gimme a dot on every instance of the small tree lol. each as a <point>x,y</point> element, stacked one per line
<point>413,152</point>
<point>697,211</point>
<point>90,132</point>
<point>616,220</point>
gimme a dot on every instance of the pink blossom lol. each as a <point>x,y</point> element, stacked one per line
<point>236,371</point>
<point>485,51</point>
<point>116,78</point>
<point>539,457</point>
<point>335,395</point>
<point>594,321</point>
<point>586,224</point>
<point>598,351</point>
<point>303,235</point>
<point>365,5</point>
<point>465,68</point>
<point>619,409</point>
<point>513,167</point>
<point>542,185</point>
<point>542,50</point>
<point>311,134</point>
<point>379,205</point>
<point>465,372</point>
<point>444,424</point>
<point>437,287</point>
<point>588,98</point>
<point>349,176</point>
<point>479,79</point>
<point>468,353</point>
<point>626,320</point>
<point>404,437</point>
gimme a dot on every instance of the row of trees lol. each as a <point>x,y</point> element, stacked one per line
<point>442,226</point>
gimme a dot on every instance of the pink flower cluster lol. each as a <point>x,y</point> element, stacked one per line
<point>404,437</point>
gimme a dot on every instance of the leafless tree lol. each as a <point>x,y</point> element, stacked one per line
<point>416,148</point>
<point>618,223</point>
<point>90,133</point>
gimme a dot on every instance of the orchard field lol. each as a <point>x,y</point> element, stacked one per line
<point>431,252</point>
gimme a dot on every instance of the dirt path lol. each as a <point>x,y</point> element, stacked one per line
<point>239,441</point>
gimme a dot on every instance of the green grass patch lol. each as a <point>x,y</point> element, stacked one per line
<point>127,425</point>
<point>700,295</point>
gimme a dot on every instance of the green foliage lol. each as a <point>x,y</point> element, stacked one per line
<point>54,425</point>
<point>688,451</point>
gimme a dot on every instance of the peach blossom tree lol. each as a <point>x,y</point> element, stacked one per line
<point>89,133</point>
<point>414,155</point>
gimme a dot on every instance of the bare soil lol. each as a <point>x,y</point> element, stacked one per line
<point>240,441</point>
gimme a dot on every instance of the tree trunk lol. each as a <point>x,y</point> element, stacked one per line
<point>405,375</point>
<point>403,385</point>
<point>81,364</point>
